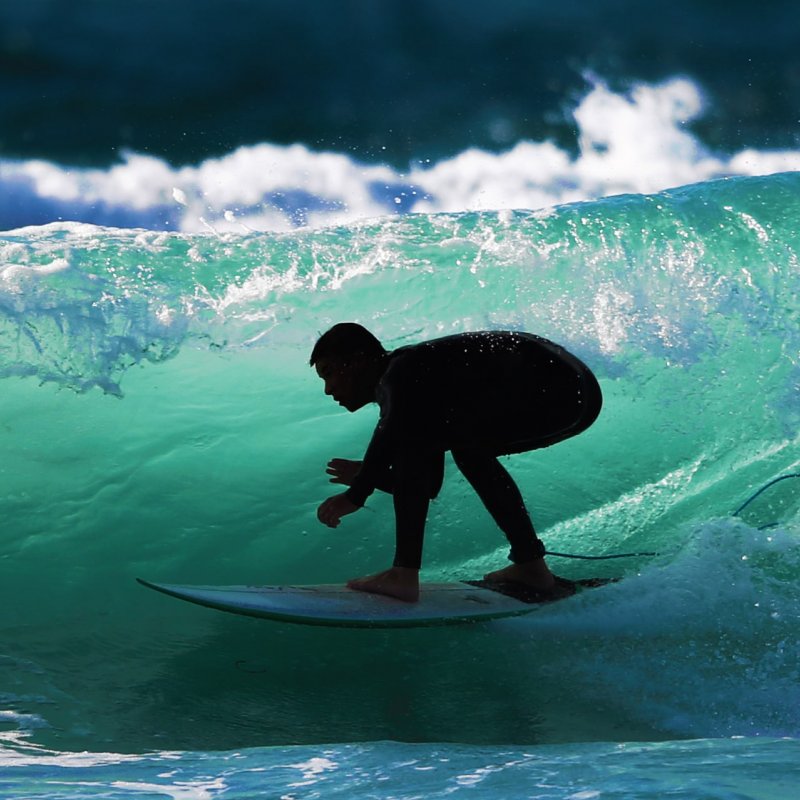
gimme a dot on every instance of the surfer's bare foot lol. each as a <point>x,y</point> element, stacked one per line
<point>399,582</point>
<point>532,573</point>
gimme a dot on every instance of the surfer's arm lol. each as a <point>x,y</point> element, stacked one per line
<point>344,471</point>
<point>377,461</point>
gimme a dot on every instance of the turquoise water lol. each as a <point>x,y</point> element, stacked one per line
<point>160,420</point>
<point>728,770</point>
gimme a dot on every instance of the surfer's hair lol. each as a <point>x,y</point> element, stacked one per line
<point>346,340</point>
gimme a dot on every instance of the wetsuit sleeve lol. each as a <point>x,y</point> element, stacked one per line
<point>378,458</point>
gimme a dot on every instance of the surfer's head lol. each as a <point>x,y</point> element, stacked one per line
<point>348,358</point>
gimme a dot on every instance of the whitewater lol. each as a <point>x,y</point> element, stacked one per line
<point>160,420</point>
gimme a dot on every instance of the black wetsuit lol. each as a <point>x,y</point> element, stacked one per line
<point>479,395</point>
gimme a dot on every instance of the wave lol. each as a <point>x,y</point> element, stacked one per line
<point>167,425</point>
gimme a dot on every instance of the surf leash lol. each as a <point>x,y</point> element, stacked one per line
<point>650,555</point>
<point>761,491</point>
<point>597,558</point>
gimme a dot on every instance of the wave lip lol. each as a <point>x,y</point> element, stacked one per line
<point>678,275</point>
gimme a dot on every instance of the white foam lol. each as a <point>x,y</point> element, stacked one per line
<point>636,142</point>
<point>18,271</point>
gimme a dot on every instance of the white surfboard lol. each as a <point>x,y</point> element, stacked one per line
<point>336,605</point>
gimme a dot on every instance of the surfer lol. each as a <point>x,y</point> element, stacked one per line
<point>479,395</point>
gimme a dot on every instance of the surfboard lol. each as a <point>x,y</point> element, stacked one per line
<point>337,606</point>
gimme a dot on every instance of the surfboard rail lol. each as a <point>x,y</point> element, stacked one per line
<point>335,605</point>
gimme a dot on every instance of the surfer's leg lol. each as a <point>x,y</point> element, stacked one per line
<point>386,481</point>
<point>503,500</point>
<point>417,475</point>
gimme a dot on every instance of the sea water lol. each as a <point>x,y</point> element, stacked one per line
<point>159,419</point>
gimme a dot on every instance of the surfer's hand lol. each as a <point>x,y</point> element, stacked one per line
<point>343,471</point>
<point>330,512</point>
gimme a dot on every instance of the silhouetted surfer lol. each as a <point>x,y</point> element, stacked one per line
<point>478,395</point>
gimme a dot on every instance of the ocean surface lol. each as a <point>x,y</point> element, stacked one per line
<point>189,196</point>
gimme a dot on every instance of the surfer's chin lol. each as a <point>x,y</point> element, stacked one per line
<point>351,405</point>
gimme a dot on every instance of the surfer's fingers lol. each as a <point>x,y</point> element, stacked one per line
<point>337,476</point>
<point>342,471</point>
<point>344,464</point>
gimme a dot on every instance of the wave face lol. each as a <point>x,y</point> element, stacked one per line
<point>160,419</point>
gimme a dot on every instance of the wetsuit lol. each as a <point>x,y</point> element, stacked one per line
<point>480,395</point>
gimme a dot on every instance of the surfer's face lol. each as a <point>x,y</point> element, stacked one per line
<point>344,382</point>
